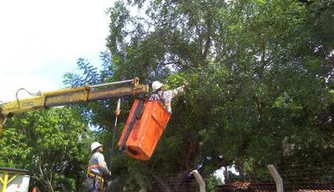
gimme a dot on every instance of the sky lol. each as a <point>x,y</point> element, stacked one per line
<point>41,40</point>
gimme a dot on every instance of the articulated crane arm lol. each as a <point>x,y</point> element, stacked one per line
<point>62,97</point>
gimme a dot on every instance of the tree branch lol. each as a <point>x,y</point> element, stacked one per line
<point>207,39</point>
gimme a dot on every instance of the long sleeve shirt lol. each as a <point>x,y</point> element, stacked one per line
<point>166,97</point>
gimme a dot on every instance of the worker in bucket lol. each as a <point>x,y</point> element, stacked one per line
<point>97,169</point>
<point>166,96</point>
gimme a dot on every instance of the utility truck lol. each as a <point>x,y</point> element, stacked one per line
<point>143,129</point>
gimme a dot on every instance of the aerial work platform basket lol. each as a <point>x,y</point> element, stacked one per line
<point>143,129</point>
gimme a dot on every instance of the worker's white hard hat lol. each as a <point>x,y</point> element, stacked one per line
<point>156,85</point>
<point>95,145</point>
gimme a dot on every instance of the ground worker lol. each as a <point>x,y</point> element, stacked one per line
<point>166,96</point>
<point>97,169</point>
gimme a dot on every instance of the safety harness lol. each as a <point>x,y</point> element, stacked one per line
<point>94,175</point>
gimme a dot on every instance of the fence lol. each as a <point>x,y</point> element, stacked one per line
<point>295,178</point>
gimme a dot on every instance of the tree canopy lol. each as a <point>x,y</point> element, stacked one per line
<point>261,83</point>
<point>261,86</point>
<point>51,144</point>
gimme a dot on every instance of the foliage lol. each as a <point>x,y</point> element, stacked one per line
<point>212,183</point>
<point>51,144</point>
<point>261,82</point>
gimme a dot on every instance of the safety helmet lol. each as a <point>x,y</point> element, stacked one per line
<point>156,85</point>
<point>95,145</point>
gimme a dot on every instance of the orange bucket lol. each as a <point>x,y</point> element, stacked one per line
<point>143,129</point>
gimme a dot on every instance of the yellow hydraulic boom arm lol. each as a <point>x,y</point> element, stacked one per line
<point>62,97</point>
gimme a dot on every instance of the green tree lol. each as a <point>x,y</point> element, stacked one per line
<point>51,144</point>
<point>260,79</point>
